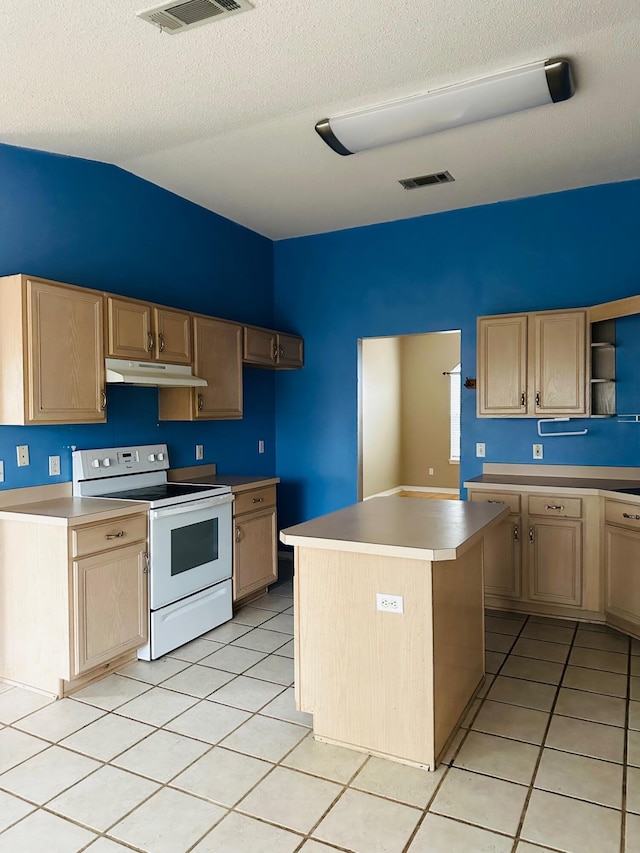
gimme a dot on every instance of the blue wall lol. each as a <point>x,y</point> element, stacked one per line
<point>435,273</point>
<point>97,226</point>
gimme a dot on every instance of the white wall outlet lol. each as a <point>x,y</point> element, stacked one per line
<point>537,451</point>
<point>1,471</point>
<point>22,452</point>
<point>261,446</point>
<point>54,466</point>
<point>389,603</point>
<point>199,451</point>
<point>431,472</point>
<point>480,449</point>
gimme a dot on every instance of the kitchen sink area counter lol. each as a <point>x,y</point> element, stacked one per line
<point>389,622</point>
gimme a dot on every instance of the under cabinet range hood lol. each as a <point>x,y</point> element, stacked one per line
<point>121,370</point>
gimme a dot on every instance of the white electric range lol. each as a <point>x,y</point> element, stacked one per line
<point>190,539</point>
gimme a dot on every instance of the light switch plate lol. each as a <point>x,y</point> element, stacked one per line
<point>537,451</point>
<point>199,451</point>
<point>261,446</point>
<point>22,452</point>
<point>1,471</point>
<point>480,449</point>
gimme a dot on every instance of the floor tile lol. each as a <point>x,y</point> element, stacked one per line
<point>595,681</point>
<point>493,661</point>
<point>439,834</point>
<point>591,706</point>
<point>275,669</point>
<point>552,620</point>
<point>233,659</point>
<point>12,810</point>
<point>251,616</point>
<point>488,681</point>
<point>16,747</point>
<point>157,706</point>
<point>271,602</point>
<point>290,799</point>
<point>452,750</point>
<point>533,670</point>
<point>635,665</point>
<point>265,738</point>
<point>222,776</point>
<point>196,650</point>
<point>548,633</point>
<point>470,716</point>
<point>170,822</point>
<point>311,846</point>
<point>282,622</point>
<point>250,694</point>
<point>107,737</point>
<point>367,824</point>
<point>409,785</point>
<point>42,831</point>
<point>635,646</point>
<point>261,641</point>
<point>633,748</point>
<point>497,625</point>
<point>605,642</point>
<point>105,845</point>
<point>597,659</point>
<point>634,715</point>
<point>525,847</point>
<point>162,755</point>
<point>632,834</point>
<point>634,688</point>
<point>111,692</point>
<point>523,724</point>
<point>584,738</point>
<point>499,757</point>
<point>208,721</point>
<point>580,777</point>
<point>16,703</point>
<point>103,798</point>
<point>241,834</point>
<point>284,708</point>
<point>282,588</point>
<point>226,633</point>
<point>287,650</point>
<point>199,681</point>
<point>527,694</point>
<point>58,720</point>
<point>541,650</point>
<point>633,789</point>
<point>571,825</point>
<point>498,642</point>
<point>154,671</point>
<point>490,803</point>
<point>47,774</point>
<point>323,759</point>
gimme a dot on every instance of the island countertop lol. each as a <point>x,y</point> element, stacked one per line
<point>399,527</point>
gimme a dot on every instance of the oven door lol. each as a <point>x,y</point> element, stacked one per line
<point>190,548</point>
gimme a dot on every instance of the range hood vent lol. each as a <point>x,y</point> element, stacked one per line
<point>427,180</point>
<point>123,371</point>
<point>174,17</point>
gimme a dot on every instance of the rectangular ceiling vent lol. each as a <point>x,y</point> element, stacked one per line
<point>427,180</point>
<point>175,17</point>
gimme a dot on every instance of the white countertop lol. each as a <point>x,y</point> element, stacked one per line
<point>70,511</point>
<point>399,527</point>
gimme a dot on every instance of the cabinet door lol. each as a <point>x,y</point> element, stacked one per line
<point>290,351</point>
<point>110,610</point>
<point>129,330</point>
<point>502,559</point>
<point>560,363</point>
<point>65,355</point>
<point>260,346</point>
<point>255,562</point>
<point>555,561</point>
<point>218,359</point>
<point>172,336</point>
<point>622,573</point>
<point>502,365</point>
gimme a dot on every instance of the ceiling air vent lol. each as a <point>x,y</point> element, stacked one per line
<point>175,18</point>
<point>427,180</point>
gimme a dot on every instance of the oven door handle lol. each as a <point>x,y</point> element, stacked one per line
<point>191,506</point>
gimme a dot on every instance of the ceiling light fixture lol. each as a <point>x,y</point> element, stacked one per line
<point>534,85</point>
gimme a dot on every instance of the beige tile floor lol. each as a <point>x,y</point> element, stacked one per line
<point>204,751</point>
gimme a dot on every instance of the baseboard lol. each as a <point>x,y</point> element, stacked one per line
<point>396,489</point>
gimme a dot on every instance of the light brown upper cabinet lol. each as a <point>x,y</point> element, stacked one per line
<point>217,357</point>
<point>145,332</point>
<point>266,348</point>
<point>51,353</point>
<point>533,365</point>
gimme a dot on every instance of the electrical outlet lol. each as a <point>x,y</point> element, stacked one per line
<point>431,472</point>
<point>54,466</point>
<point>261,446</point>
<point>199,451</point>
<point>22,452</point>
<point>1,471</point>
<point>389,603</point>
<point>537,451</point>
<point>480,449</point>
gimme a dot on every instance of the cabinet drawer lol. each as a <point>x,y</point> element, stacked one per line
<point>108,534</point>
<point>627,515</point>
<point>510,499</point>
<point>254,499</point>
<point>554,506</point>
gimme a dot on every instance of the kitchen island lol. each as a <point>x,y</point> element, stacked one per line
<point>394,682</point>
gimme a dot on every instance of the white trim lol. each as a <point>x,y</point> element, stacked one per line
<point>396,489</point>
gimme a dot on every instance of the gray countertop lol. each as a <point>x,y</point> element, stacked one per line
<point>591,485</point>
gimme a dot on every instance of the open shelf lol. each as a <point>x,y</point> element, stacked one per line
<point>603,368</point>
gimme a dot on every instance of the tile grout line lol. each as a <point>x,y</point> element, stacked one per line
<point>625,753</point>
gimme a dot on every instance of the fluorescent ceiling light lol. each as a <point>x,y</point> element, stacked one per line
<point>544,82</point>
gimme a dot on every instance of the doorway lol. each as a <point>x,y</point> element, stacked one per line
<point>406,415</point>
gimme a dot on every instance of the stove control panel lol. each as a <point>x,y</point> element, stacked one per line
<point>115,461</point>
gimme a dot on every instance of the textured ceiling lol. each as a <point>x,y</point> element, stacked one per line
<point>224,114</point>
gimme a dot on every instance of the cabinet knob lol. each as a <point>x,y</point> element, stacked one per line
<point>145,567</point>
<point>495,502</point>
<point>257,500</point>
<point>632,517</point>
<point>531,536</point>
<point>200,402</point>
<point>275,351</point>
<point>553,506</point>
<point>161,339</point>
<point>516,532</point>
<point>538,398</point>
<point>103,402</point>
<point>281,352</point>
<point>238,534</point>
<point>150,341</point>
<point>117,535</point>
<point>523,399</point>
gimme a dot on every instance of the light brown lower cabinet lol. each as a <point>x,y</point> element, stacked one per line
<point>555,561</point>
<point>82,616</point>
<point>622,565</point>
<point>255,559</point>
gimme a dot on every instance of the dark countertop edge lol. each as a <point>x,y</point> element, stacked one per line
<point>612,487</point>
<point>238,482</point>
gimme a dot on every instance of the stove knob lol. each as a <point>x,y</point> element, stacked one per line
<point>95,463</point>
<point>151,457</point>
<point>160,457</point>
<point>106,462</point>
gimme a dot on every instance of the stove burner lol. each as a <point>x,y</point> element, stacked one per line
<point>159,492</point>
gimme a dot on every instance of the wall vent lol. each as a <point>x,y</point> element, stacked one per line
<point>427,180</point>
<point>174,17</point>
